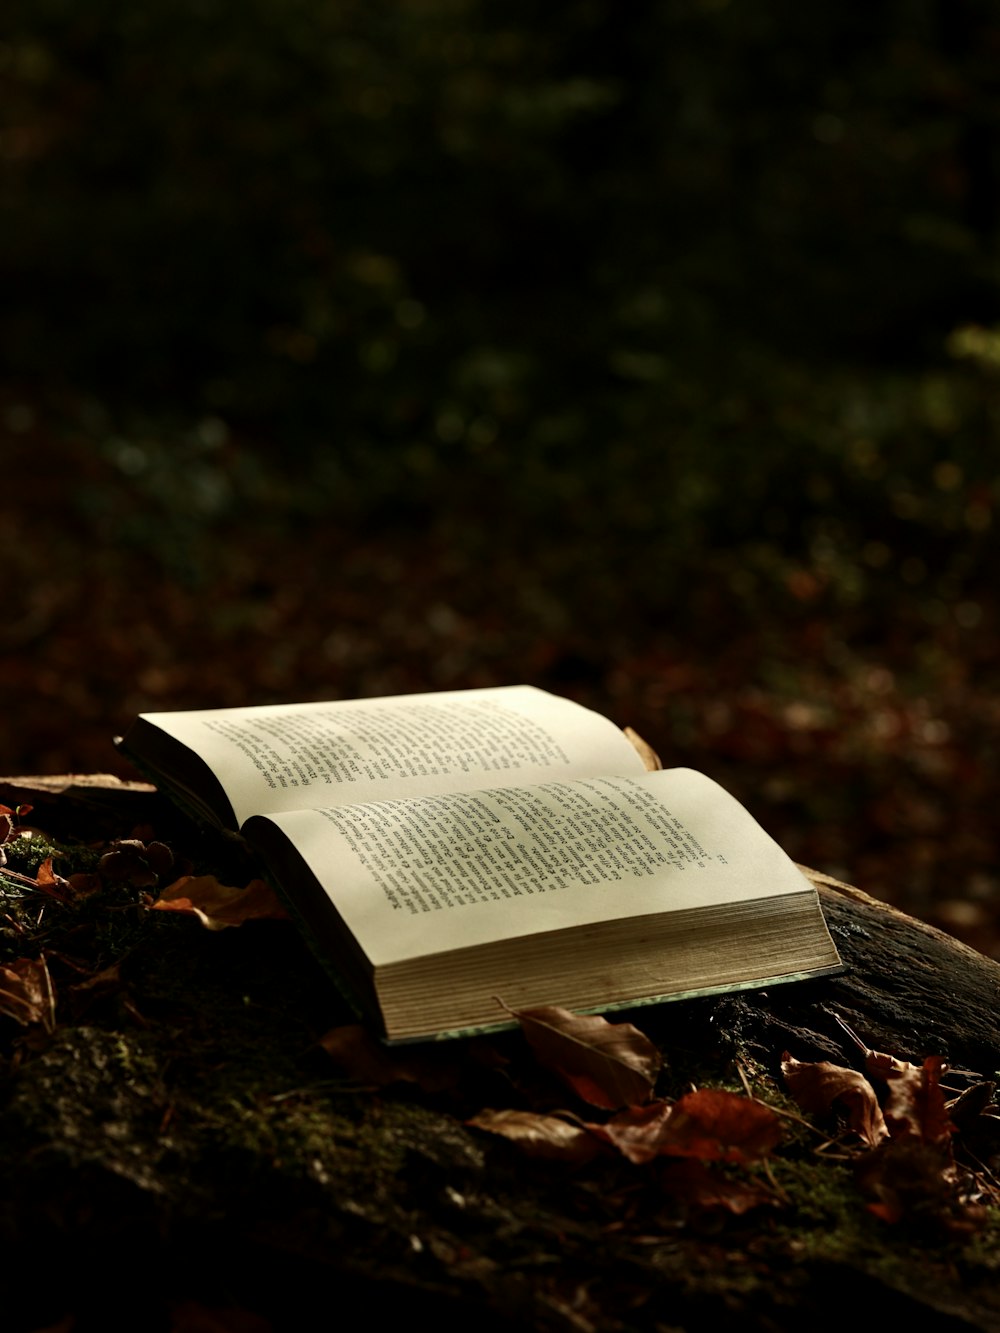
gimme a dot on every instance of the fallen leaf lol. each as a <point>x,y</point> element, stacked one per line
<point>817,1086</point>
<point>718,1126</point>
<point>644,750</point>
<point>971,1106</point>
<point>546,1136</point>
<point>220,905</point>
<point>699,1187</point>
<point>709,1124</point>
<point>607,1064</point>
<point>639,1131</point>
<point>96,987</point>
<point>915,1103</point>
<point>52,884</point>
<point>85,883</point>
<point>907,1178</point>
<point>26,993</point>
<point>365,1060</point>
<point>885,1066</point>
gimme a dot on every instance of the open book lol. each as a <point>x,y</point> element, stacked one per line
<point>447,849</point>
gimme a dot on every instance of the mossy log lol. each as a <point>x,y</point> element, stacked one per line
<point>183,1124</point>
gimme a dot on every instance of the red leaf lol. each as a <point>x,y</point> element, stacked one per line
<point>536,1135</point>
<point>712,1125</point>
<point>817,1086</point>
<point>719,1126</point>
<point>607,1064</point>
<point>220,905</point>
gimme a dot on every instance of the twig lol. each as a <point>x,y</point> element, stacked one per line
<point>50,995</point>
<point>745,1081</point>
<point>791,1115</point>
<point>967,1151</point>
<point>15,923</point>
<point>16,875</point>
<point>849,1030</point>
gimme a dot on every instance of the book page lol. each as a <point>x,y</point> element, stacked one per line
<point>415,878</point>
<point>294,756</point>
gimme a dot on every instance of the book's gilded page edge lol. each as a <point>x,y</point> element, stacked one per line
<point>507,1024</point>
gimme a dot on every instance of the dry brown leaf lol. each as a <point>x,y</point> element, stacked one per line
<point>712,1125</point>
<point>645,751</point>
<point>607,1064</point>
<point>817,1086</point>
<point>905,1177</point>
<point>639,1131</point>
<point>362,1058</point>
<point>52,884</point>
<point>26,993</point>
<point>972,1106</point>
<point>699,1187</point>
<point>885,1066</point>
<point>220,905</point>
<point>546,1136</point>
<point>96,987</point>
<point>85,884</point>
<point>718,1126</point>
<point>915,1104</point>
<point>365,1060</point>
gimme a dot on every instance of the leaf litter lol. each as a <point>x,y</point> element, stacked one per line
<point>614,1067</point>
<point>905,1163</point>
<point>708,1150</point>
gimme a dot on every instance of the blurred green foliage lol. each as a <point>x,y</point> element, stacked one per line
<point>661,283</point>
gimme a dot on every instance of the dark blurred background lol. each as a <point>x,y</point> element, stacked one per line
<point>646,352</point>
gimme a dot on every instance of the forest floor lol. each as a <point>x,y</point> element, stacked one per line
<point>199,1106</point>
<point>863,738</point>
